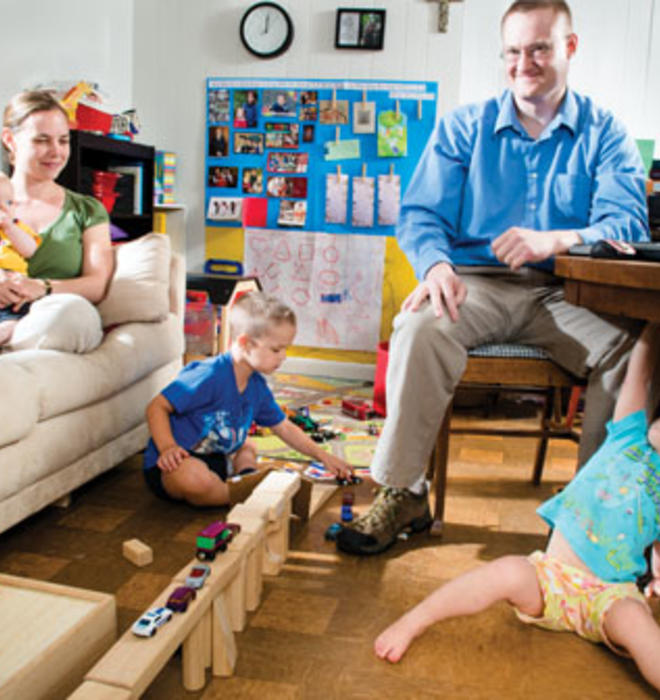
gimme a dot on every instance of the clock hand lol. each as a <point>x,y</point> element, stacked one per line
<point>267,22</point>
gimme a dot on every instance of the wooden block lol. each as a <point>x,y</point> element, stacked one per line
<point>137,552</point>
<point>91,690</point>
<point>287,483</point>
<point>252,540</point>
<point>274,503</point>
<point>50,635</point>
<point>195,654</point>
<point>223,644</point>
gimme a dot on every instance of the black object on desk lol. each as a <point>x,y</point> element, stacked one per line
<point>220,288</point>
<point>648,251</point>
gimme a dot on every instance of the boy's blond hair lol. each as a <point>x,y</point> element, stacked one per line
<point>254,313</point>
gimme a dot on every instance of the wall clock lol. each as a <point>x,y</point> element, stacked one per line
<point>266,30</point>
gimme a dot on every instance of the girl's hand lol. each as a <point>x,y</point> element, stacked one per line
<point>170,459</point>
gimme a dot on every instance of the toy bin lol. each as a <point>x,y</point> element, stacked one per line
<point>379,380</point>
<point>199,324</point>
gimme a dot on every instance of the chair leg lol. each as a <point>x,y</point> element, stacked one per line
<point>438,467</point>
<point>542,445</point>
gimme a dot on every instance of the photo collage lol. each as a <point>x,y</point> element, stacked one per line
<point>289,155</point>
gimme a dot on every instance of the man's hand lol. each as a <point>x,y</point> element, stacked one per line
<point>443,287</point>
<point>170,458</point>
<point>518,246</point>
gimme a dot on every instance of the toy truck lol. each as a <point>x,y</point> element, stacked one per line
<point>356,408</point>
<point>215,537</point>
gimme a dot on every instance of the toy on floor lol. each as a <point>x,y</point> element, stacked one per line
<point>149,623</point>
<point>356,408</point>
<point>180,598</point>
<point>332,532</point>
<point>214,537</point>
<point>347,507</point>
<point>351,480</point>
<point>302,419</point>
<point>198,575</point>
<point>137,552</point>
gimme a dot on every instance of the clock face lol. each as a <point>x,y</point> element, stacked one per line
<point>266,30</point>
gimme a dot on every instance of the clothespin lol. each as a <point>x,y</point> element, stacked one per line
<point>391,171</point>
<point>364,171</point>
<point>396,109</point>
<point>419,109</point>
<point>337,139</point>
<point>364,97</point>
<point>334,97</point>
<point>338,173</point>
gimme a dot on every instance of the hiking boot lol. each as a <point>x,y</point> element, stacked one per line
<point>392,511</point>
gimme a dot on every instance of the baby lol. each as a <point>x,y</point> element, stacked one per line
<point>18,243</point>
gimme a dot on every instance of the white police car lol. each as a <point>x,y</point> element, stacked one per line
<point>149,623</point>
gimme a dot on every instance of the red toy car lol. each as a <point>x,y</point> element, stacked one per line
<point>356,408</point>
<point>215,537</point>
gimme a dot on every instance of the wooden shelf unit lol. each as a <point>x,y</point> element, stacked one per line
<point>90,150</point>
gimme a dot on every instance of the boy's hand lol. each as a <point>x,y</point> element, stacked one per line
<point>170,459</point>
<point>337,466</point>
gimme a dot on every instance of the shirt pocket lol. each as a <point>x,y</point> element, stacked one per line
<point>572,198</point>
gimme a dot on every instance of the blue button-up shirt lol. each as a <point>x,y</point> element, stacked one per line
<point>482,173</point>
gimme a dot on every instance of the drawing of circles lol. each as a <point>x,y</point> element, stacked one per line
<point>330,254</point>
<point>328,278</point>
<point>300,296</point>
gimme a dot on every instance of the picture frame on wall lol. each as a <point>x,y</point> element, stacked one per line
<point>359,29</point>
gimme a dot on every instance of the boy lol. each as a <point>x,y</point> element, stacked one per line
<point>18,243</point>
<point>602,522</point>
<point>199,422</point>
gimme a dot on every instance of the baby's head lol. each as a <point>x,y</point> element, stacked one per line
<point>262,328</point>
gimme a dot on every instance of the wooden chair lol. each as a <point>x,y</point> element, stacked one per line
<point>518,368</point>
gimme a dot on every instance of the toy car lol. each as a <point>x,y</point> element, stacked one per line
<point>198,575</point>
<point>180,597</point>
<point>356,408</point>
<point>215,537</point>
<point>149,623</point>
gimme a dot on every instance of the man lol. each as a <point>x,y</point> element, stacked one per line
<point>502,188</point>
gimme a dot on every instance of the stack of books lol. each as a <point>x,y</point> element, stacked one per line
<point>164,174</point>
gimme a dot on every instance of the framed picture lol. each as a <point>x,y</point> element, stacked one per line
<point>359,29</point>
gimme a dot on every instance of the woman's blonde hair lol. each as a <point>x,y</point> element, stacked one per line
<point>25,103</point>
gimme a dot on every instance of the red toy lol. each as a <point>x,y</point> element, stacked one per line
<point>356,408</point>
<point>214,537</point>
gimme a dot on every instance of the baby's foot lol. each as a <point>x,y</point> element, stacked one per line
<point>391,644</point>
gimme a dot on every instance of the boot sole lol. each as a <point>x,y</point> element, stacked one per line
<point>416,525</point>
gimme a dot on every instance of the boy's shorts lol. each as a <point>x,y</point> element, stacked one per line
<point>575,600</point>
<point>217,462</point>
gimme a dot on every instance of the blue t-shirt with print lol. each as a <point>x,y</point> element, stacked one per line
<point>210,415</point>
<point>609,512</point>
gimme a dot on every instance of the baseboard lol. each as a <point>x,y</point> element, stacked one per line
<point>329,368</point>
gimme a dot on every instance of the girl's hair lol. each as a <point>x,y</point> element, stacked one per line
<point>254,313</point>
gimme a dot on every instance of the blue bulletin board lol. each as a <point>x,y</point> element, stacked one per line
<point>272,143</point>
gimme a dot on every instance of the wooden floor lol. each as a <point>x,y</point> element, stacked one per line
<point>312,635</point>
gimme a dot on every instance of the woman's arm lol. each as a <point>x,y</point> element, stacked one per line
<point>634,390</point>
<point>97,267</point>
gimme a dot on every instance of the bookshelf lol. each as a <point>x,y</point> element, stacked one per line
<point>91,152</point>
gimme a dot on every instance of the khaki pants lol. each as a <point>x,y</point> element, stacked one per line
<point>428,355</point>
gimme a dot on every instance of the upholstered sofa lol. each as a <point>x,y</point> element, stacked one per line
<point>67,415</point>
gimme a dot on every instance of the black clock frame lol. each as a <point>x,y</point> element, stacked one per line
<point>289,24</point>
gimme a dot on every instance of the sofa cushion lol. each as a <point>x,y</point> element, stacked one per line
<point>139,289</point>
<point>66,322</point>
<point>19,405</point>
<point>66,382</point>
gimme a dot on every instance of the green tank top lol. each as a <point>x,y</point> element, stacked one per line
<point>60,254</point>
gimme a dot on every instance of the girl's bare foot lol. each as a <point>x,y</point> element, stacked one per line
<point>391,644</point>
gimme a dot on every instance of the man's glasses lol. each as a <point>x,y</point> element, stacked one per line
<point>539,52</point>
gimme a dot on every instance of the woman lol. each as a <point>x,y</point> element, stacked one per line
<point>75,256</point>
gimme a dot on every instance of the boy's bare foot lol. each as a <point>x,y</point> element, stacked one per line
<point>392,644</point>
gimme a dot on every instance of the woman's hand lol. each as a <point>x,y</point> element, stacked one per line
<point>11,291</point>
<point>29,289</point>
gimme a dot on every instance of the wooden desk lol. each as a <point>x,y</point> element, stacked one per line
<point>619,287</point>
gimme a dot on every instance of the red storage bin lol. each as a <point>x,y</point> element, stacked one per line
<point>382,355</point>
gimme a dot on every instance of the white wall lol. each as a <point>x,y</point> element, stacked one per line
<point>43,41</point>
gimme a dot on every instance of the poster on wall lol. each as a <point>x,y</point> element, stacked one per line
<point>332,282</point>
